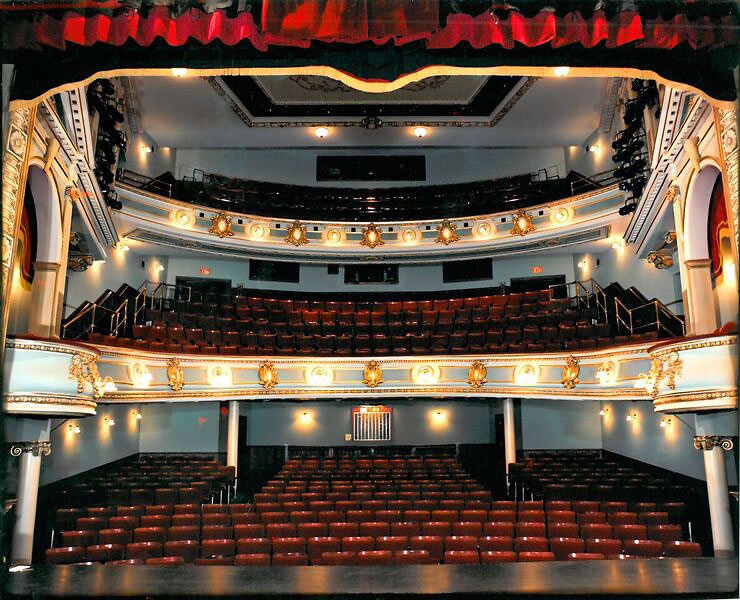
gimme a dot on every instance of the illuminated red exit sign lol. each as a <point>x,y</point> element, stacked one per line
<point>536,269</point>
<point>204,271</point>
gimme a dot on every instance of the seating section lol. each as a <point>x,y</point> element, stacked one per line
<point>368,511</point>
<point>239,324</point>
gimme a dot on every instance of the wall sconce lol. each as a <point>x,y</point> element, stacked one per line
<point>136,415</point>
<point>158,266</point>
<point>631,417</point>
<point>666,422</point>
<point>140,375</point>
<point>607,372</point>
<point>425,374</point>
<point>438,418</point>
<point>73,429</point>
<point>409,236</point>
<point>593,148</point>
<point>618,244</point>
<point>305,417</point>
<point>583,264</point>
<point>446,233</point>
<point>603,412</point>
<point>258,231</point>
<point>319,375</point>
<point>333,236</point>
<point>526,374</point>
<point>522,223</point>
<point>561,215</point>
<point>321,132</point>
<point>179,71</point>
<point>420,132</point>
<point>219,376</point>
<point>371,236</point>
<point>146,149</point>
<point>221,225</point>
<point>109,421</point>
<point>296,234</point>
<point>561,71</point>
<point>485,230</point>
<point>119,245</point>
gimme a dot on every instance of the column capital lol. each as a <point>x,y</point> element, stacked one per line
<point>35,448</point>
<point>709,442</point>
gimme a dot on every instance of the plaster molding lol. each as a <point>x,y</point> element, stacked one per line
<point>710,442</point>
<point>35,448</point>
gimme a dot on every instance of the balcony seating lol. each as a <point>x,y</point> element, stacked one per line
<point>247,325</point>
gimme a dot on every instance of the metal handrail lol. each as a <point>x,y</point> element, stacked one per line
<point>140,302</point>
<point>656,305</point>
<point>116,317</point>
<point>140,181</point>
<point>162,290</point>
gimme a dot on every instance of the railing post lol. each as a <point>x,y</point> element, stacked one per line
<point>92,322</point>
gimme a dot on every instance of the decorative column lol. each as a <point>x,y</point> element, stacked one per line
<point>29,469</point>
<point>701,314</point>
<point>509,433</point>
<point>71,196</point>
<point>713,447</point>
<point>232,441</point>
<point>43,299</point>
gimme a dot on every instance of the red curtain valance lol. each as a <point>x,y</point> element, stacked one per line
<point>292,29</point>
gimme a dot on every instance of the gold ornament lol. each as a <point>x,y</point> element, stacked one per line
<point>372,236</point>
<point>267,375</point>
<point>570,373</point>
<point>296,234</point>
<point>175,374</point>
<point>372,376</point>
<point>522,223</point>
<point>221,225</point>
<point>446,233</point>
<point>85,370</point>
<point>477,374</point>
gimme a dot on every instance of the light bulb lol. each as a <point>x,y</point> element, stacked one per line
<point>147,149</point>
<point>74,429</point>
<point>561,71</point>
<point>138,416</point>
<point>321,132</point>
<point>420,132</point>
<point>179,71</point>
<point>110,422</point>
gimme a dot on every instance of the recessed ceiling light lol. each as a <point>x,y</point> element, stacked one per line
<point>321,132</point>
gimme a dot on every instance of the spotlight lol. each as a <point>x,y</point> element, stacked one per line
<point>106,86</point>
<point>321,132</point>
<point>628,208</point>
<point>420,132</point>
<point>103,174</point>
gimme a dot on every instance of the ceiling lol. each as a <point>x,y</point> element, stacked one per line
<point>195,112</point>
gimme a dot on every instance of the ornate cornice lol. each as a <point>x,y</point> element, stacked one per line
<point>729,150</point>
<point>35,448</point>
<point>47,346</point>
<point>709,442</point>
<point>683,345</point>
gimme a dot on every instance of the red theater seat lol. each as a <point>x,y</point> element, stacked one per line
<point>217,548</point>
<point>252,560</point>
<point>150,534</point>
<point>678,549</point>
<point>531,544</point>
<point>566,530</point>
<point>166,561</point>
<point>358,543</point>
<point>474,528</point>
<point>461,542</point>
<point>604,546</point>
<point>433,544</point>
<point>441,528</point>
<point>375,557</point>
<point>596,530</point>
<point>535,556</point>
<point>585,556</point>
<point>530,529</point>
<point>289,545</point>
<point>664,533</point>
<point>412,557</point>
<point>405,528</point>
<point>561,547</point>
<point>215,561</point>
<point>81,538</point>
<point>144,550</point>
<point>259,545</point>
<point>496,543</point>
<point>497,556</point>
<point>113,536</point>
<point>339,558</point>
<point>375,529</point>
<point>290,559</point>
<point>630,532</point>
<point>646,548</point>
<point>105,552</point>
<point>392,542</point>
<point>500,528</point>
<point>461,557</point>
<point>342,530</point>
<point>187,549</point>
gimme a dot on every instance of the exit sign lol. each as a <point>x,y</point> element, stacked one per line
<point>204,271</point>
<point>536,269</point>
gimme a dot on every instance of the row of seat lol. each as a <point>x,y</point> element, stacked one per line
<point>330,551</point>
<point>195,531</point>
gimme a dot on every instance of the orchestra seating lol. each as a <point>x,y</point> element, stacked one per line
<point>238,324</point>
<point>402,509</point>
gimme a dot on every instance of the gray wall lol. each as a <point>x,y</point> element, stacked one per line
<point>297,166</point>
<point>152,164</point>
<point>179,427</point>
<point>643,439</point>
<point>278,423</point>
<point>560,424</point>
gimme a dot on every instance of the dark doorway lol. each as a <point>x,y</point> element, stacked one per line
<point>533,284</point>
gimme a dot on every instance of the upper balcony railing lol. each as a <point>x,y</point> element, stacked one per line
<point>278,200</point>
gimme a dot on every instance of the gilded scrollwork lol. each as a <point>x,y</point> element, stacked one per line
<point>372,375</point>
<point>571,370</point>
<point>709,442</point>
<point>477,374</point>
<point>84,369</point>
<point>175,374</point>
<point>267,375</point>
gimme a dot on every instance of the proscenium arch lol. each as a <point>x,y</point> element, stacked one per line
<point>696,211</point>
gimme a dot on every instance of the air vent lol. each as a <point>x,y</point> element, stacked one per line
<point>371,423</point>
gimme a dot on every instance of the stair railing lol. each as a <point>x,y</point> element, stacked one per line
<point>119,318</point>
<point>626,317</point>
<point>162,293</point>
<point>140,303</point>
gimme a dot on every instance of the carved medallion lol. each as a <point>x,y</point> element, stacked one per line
<point>371,236</point>
<point>175,374</point>
<point>80,262</point>
<point>570,373</point>
<point>296,234</point>
<point>267,375</point>
<point>221,225</point>
<point>446,233</point>
<point>477,374</point>
<point>522,223</point>
<point>372,376</point>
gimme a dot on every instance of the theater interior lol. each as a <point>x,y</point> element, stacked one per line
<point>369,299</point>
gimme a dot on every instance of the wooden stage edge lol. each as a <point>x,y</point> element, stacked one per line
<point>690,578</point>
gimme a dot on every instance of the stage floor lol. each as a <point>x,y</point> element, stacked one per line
<point>694,577</point>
